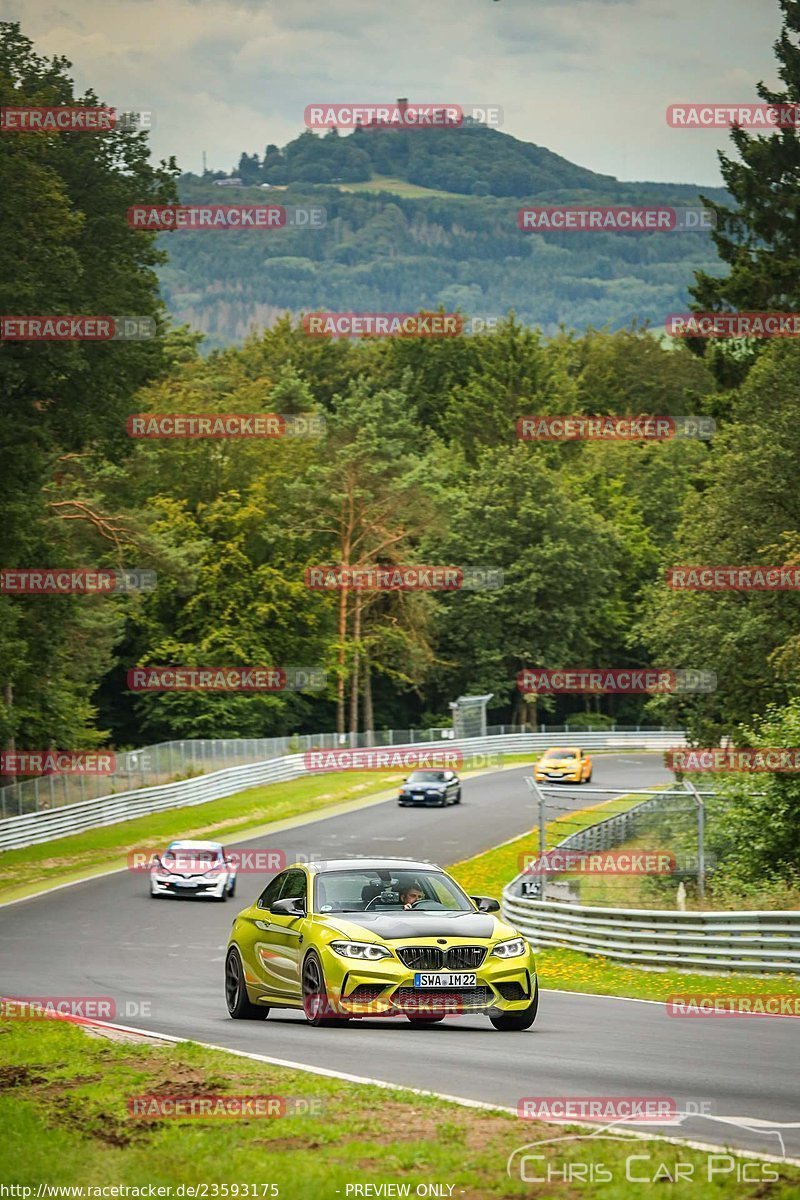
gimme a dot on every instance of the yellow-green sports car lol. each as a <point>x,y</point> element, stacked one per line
<point>377,937</point>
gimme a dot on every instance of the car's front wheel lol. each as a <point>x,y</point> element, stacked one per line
<point>458,797</point>
<point>240,1006</point>
<point>517,1021</point>
<point>316,1005</point>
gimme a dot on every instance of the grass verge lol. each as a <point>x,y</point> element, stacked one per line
<point>64,1108</point>
<point>488,873</point>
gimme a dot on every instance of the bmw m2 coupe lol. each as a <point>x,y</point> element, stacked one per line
<point>351,938</point>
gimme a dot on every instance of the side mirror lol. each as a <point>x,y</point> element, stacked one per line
<point>485,904</point>
<point>288,908</point>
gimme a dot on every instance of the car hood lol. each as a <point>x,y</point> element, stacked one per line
<point>387,928</point>
<point>424,787</point>
<point>558,762</point>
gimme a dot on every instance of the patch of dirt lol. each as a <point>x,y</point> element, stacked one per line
<point>185,1083</point>
<point>286,1143</point>
<point>105,1127</point>
<point>11,1077</point>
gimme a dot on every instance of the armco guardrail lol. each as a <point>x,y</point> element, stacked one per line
<point>34,827</point>
<point>758,942</point>
<point>168,762</point>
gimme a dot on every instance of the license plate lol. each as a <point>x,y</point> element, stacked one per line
<point>445,979</point>
<point>185,883</point>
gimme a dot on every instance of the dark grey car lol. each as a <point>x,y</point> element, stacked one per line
<point>431,787</point>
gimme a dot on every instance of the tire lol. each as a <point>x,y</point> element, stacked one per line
<point>517,1021</point>
<point>458,797</point>
<point>425,1020</point>
<point>240,1006</point>
<point>589,777</point>
<point>221,899</point>
<point>316,1005</point>
<point>232,889</point>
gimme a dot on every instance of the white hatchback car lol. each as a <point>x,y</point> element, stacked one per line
<point>193,869</point>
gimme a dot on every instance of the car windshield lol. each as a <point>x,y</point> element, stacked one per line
<point>426,777</point>
<point>383,891</point>
<point>561,754</point>
<point>190,859</point>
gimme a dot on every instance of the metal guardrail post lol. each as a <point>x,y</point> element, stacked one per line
<point>701,829</point>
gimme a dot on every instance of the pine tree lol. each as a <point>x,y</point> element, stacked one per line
<point>759,239</point>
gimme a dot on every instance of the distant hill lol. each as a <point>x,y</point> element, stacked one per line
<point>472,160</point>
<point>399,248</point>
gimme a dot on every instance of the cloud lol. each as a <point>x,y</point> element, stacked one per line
<point>590,79</point>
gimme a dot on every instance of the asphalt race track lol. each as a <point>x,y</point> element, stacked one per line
<point>162,963</point>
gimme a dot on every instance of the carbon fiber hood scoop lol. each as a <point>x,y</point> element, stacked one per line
<point>417,925</point>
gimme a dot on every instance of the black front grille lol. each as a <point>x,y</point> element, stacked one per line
<point>512,990</point>
<point>454,999</point>
<point>421,958</point>
<point>465,958</point>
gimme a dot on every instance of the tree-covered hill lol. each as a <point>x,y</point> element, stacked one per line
<point>385,251</point>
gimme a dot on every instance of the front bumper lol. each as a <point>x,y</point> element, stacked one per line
<point>428,798</point>
<point>213,888</point>
<point>386,988</point>
<point>567,777</point>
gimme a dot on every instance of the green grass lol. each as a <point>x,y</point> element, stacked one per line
<point>33,868</point>
<point>400,187</point>
<point>65,1118</point>
<point>488,873</point>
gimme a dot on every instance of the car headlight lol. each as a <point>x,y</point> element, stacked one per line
<point>510,949</point>
<point>366,950</point>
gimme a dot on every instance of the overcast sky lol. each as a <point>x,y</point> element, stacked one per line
<point>589,79</point>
